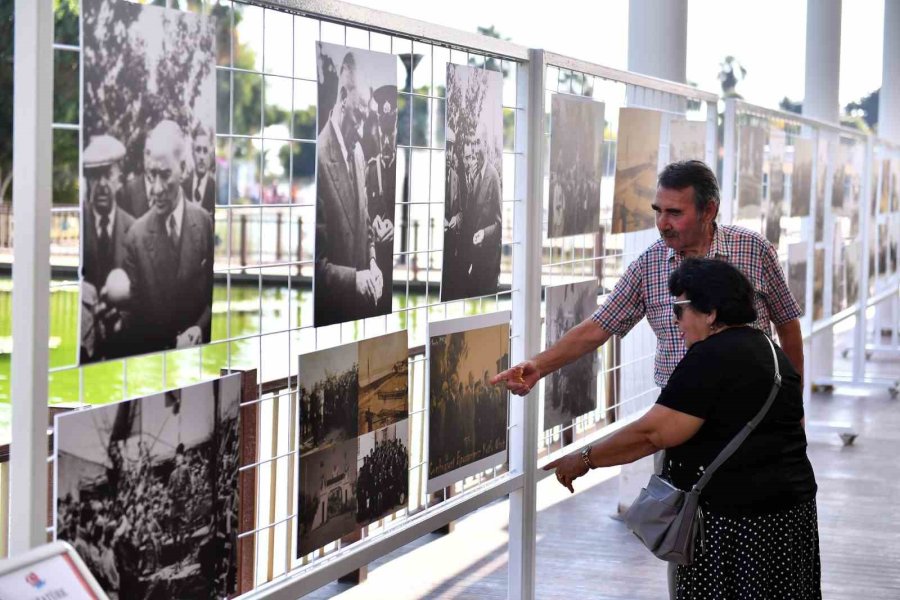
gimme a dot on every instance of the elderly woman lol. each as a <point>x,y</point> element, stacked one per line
<point>759,508</point>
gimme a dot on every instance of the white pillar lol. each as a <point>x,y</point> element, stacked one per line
<point>657,46</point>
<point>32,143</point>
<point>889,99</point>
<point>823,74</point>
<point>657,38</point>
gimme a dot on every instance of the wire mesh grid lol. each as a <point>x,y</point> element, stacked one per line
<point>264,225</point>
<point>624,384</point>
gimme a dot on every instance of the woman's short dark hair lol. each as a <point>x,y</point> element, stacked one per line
<point>715,285</point>
<point>692,173</point>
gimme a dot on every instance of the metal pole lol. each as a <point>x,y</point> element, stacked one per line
<point>526,298</point>
<point>32,143</point>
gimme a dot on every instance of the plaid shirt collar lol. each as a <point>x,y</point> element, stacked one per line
<point>719,246</point>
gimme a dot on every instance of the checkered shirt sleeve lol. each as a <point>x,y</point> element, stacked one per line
<point>625,306</point>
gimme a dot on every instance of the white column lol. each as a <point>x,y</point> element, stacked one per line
<point>32,142</point>
<point>657,38</point>
<point>823,74</point>
<point>889,99</point>
<point>657,46</point>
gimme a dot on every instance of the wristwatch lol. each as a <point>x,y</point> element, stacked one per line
<point>586,457</point>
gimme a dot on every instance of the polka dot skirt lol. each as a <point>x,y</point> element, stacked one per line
<point>764,557</point>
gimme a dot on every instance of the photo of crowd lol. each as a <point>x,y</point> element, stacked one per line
<point>328,395</point>
<point>382,486</point>
<point>147,491</point>
<point>637,161</point>
<point>473,185</point>
<point>356,170</point>
<point>576,165</point>
<point>467,415</point>
<point>572,390</point>
<point>147,233</point>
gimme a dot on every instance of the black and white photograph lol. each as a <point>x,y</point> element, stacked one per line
<point>149,100</point>
<point>773,203</point>
<point>824,151</point>
<point>818,292</point>
<point>328,396</point>
<point>382,486</point>
<point>473,183</point>
<point>797,265</point>
<point>851,259</point>
<point>687,140</point>
<point>356,171</point>
<point>326,503</point>
<point>467,416</point>
<point>576,165</point>
<point>383,381</point>
<point>572,390</point>
<point>750,171</point>
<point>840,180</point>
<point>637,161</point>
<point>801,177</point>
<point>147,491</point>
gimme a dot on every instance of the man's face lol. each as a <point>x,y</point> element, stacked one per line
<point>679,224</point>
<point>104,185</point>
<point>163,171</point>
<point>353,112</point>
<point>471,159</point>
<point>202,154</point>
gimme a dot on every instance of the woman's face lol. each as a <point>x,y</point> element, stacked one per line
<point>694,325</point>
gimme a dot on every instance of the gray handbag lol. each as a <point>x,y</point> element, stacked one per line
<point>669,520</point>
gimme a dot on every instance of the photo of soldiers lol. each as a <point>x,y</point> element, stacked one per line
<point>328,395</point>
<point>382,486</point>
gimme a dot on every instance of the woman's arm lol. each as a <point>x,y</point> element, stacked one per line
<point>660,428</point>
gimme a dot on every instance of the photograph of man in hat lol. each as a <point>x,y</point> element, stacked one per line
<point>169,258</point>
<point>349,281</point>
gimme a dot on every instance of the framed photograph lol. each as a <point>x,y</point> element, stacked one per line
<point>382,485</point>
<point>383,381</point>
<point>637,160</point>
<point>327,496</point>
<point>687,140</point>
<point>356,171</point>
<point>838,273</point>
<point>797,261</point>
<point>467,416</point>
<point>147,491</point>
<point>328,396</point>
<point>818,283</point>
<point>851,260</point>
<point>750,171</point>
<point>576,165</point>
<point>824,149</point>
<point>801,177</point>
<point>473,183</point>
<point>147,214</point>
<point>572,390</point>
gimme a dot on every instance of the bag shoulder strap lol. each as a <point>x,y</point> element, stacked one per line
<point>736,442</point>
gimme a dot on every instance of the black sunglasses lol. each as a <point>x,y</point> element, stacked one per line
<point>678,308</point>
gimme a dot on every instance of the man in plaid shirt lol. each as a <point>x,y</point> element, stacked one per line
<point>686,206</point>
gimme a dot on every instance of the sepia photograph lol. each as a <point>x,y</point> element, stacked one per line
<point>149,114</point>
<point>576,165</point>
<point>797,264</point>
<point>383,381</point>
<point>750,171</point>
<point>382,486</point>
<point>572,390</point>
<point>356,171</point>
<point>884,202</point>
<point>147,491</point>
<point>326,502</point>
<point>818,293</point>
<point>467,416</point>
<point>801,177</point>
<point>851,259</point>
<point>473,183</point>
<point>328,393</point>
<point>637,161</point>
<point>687,140</point>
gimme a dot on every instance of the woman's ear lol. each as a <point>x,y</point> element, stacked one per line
<point>711,319</point>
